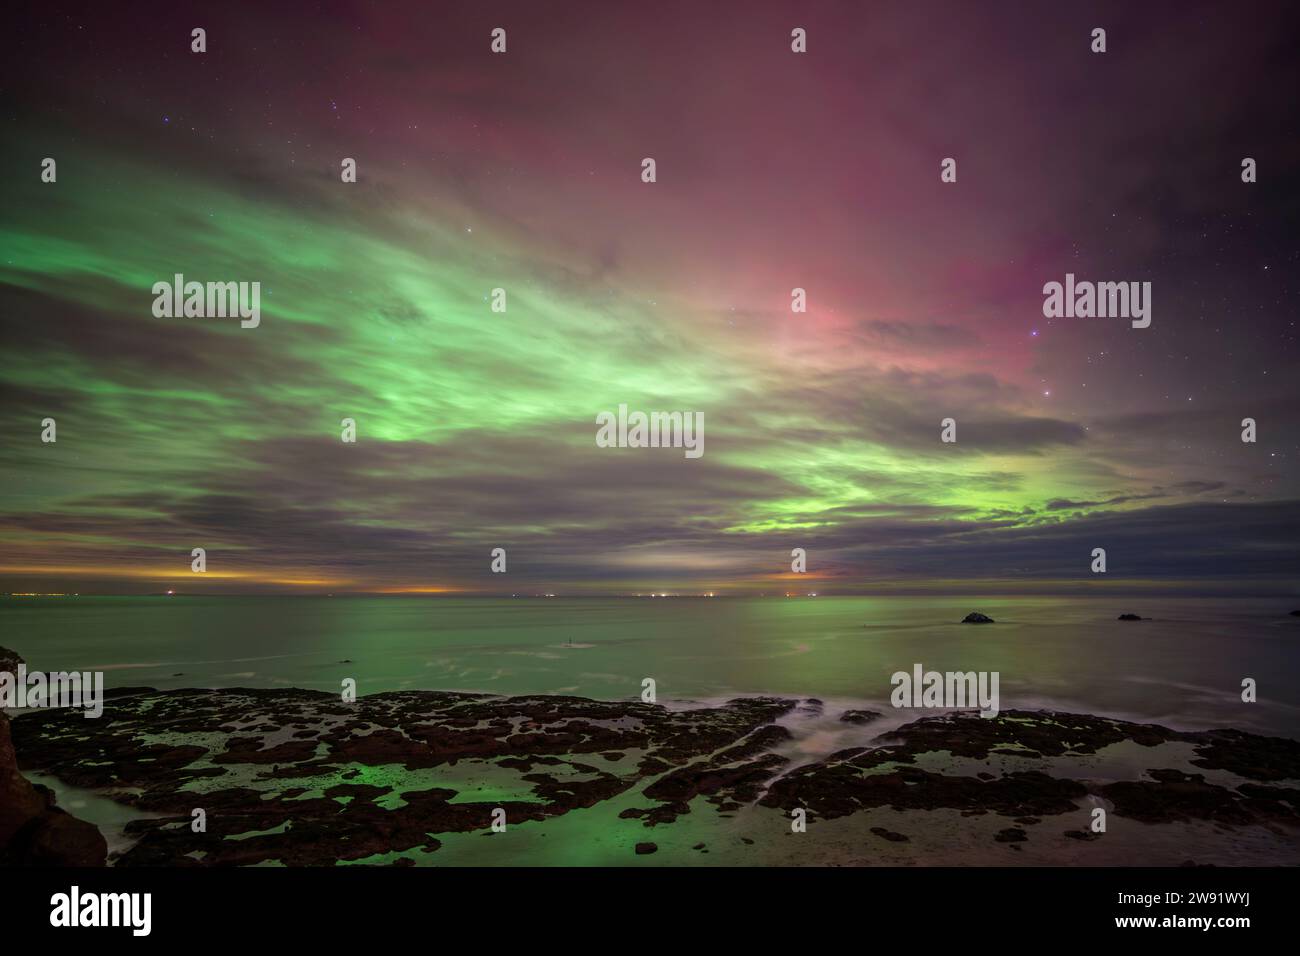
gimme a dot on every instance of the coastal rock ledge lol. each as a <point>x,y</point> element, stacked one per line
<point>33,831</point>
<point>397,778</point>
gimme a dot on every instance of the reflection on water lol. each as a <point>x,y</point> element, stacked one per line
<point>1182,668</point>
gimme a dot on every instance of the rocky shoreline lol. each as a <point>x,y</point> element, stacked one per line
<point>296,777</point>
<point>33,830</point>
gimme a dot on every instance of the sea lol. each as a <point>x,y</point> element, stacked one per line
<point>1183,667</point>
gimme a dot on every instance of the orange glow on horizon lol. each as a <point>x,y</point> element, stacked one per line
<point>296,578</point>
<point>417,589</point>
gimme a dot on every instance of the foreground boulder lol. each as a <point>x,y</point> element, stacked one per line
<point>33,831</point>
<point>975,617</point>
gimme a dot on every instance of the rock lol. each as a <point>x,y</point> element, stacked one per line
<point>886,775</point>
<point>975,617</point>
<point>890,835</point>
<point>313,802</point>
<point>9,661</point>
<point>33,831</point>
<point>550,743</point>
<point>737,772</point>
<point>1131,617</point>
<point>1248,755</point>
<point>1177,796</point>
<point>860,716</point>
<point>56,838</point>
<point>1295,613</point>
<point>20,802</point>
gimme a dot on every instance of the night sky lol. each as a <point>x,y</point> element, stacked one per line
<point>775,170</point>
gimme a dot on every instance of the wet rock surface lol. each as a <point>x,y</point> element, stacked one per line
<point>300,778</point>
<point>886,775</point>
<point>728,780</point>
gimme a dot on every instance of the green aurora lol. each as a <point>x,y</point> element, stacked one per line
<point>475,428</point>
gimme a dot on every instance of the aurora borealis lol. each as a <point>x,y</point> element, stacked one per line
<point>521,171</point>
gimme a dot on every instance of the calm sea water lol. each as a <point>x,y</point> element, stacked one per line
<point>1184,668</point>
